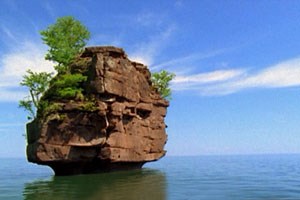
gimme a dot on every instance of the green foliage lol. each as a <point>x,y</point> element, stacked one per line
<point>43,105</point>
<point>80,65</point>
<point>26,103</point>
<point>37,83</point>
<point>89,106</point>
<point>67,86</point>
<point>50,108</point>
<point>161,81</point>
<point>62,117</point>
<point>66,38</point>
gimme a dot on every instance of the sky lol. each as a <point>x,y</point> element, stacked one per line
<point>237,66</point>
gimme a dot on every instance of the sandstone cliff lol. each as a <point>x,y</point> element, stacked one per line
<point>118,124</point>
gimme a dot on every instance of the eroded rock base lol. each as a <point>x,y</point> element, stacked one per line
<point>73,168</point>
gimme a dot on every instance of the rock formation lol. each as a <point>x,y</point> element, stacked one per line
<point>120,126</point>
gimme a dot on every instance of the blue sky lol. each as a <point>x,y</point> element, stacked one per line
<point>237,89</point>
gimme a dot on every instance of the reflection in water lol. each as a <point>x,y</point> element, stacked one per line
<point>136,184</point>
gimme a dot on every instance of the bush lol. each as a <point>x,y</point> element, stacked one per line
<point>67,86</point>
<point>161,82</point>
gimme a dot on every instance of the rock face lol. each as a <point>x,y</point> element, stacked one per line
<point>120,127</point>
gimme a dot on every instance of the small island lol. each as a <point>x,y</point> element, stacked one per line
<point>99,111</point>
<point>117,123</point>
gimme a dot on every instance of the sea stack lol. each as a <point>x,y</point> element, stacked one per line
<point>118,123</point>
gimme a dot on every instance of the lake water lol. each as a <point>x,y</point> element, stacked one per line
<point>271,177</point>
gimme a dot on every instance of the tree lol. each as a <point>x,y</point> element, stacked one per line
<point>66,39</point>
<point>161,81</point>
<point>37,84</point>
<point>26,103</point>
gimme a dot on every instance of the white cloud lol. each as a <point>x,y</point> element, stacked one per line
<point>27,56</point>
<point>149,19</point>
<point>222,82</point>
<point>8,33</point>
<point>146,52</point>
<point>202,80</point>
<point>284,74</point>
<point>14,64</point>
<point>280,75</point>
<point>215,76</point>
<point>187,60</point>
<point>7,95</point>
<point>141,59</point>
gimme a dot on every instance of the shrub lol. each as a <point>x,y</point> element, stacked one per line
<point>67,86</point>
<point>161,82</point>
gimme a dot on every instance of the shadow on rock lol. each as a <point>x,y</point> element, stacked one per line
<point>135,184</point>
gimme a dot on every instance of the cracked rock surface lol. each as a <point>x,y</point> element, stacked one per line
<point>122,127</point>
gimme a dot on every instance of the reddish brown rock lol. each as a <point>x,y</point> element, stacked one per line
<point>121,127</point>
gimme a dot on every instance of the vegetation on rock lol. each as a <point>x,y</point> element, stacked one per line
<point>66,86</point>
<point>37,84</point>
<point>66,39</point>
<point>161,81</point>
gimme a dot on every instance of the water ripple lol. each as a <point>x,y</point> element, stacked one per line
<point>271,177</point>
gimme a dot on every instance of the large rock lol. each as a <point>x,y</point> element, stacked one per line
<point>121,126</point>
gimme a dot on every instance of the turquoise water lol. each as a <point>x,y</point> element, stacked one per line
<point>271,177</point>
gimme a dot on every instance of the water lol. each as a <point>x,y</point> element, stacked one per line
<point>272,177</point>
